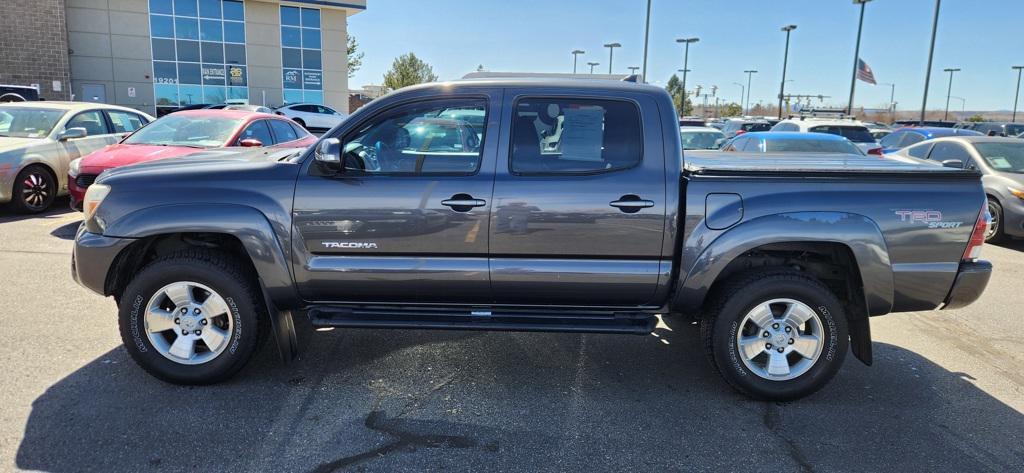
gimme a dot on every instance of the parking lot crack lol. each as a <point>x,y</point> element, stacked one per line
<point>771,422</point>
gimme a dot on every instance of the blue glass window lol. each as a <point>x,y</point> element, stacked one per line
<point>210,30</point>
<point>190,94</point>
<point>186,28</point>
<point>214,94</point>
<point>213,52</point>
<point>188,51</point>
<point>238,93</point>
<point>311,59</point>
<point>310,38</point>
<point>313,96</point>
<point>291,57</point>
<point>185,8</point>
<point>234,10</point>
<point>292,96</point>
<point>165,7</point>
<point>166,94</point>
<point>189,73</point>
<point>234,54</point>
<point>209,8</point>
<point>161,26</point>
<point>165,72</point>
<point>310,18</point>
<point>234,32</point>
<point>213,74</point>
<point>290,37</point>
<point>237,76</point>
<point>290,16</point>
<point>163,49</point>
<point>312,80</point>
<point>292,78</point>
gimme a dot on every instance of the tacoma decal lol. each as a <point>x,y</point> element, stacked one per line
<point>349,244</point>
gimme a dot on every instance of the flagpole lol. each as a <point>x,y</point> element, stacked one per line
<point>856,55</point>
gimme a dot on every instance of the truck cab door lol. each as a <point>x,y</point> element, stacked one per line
<point>406,219</point>
<point>579,213</point>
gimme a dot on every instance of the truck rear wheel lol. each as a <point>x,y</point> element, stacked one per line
<point>191,317</point>
<point>775,335</point>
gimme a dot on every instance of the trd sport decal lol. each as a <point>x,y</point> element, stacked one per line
<point>931,218</point>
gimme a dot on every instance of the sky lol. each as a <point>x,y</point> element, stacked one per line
<point>981,37</point>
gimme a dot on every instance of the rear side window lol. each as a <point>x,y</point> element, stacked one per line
<point>257,130</point>
<point>856,134</point>
<point>786,127</point>
<point>910,138</point>
<point>299,131</point>
<point>756,127</point>
<point>283,131</point>
<point>566,136</point>
<point>892,140</point>
<point>919,152</point>
<point>92,121</point>
<point>125,122</point>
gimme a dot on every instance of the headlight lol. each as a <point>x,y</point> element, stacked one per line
<point>93,197</point>
<point>73,169</point>
<point>1016,193</point>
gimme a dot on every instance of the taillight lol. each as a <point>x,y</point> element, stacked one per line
<point>973,250</point>
<point>875,151</point>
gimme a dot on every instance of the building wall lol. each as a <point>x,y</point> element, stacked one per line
<point>110,48</point>
<point>334,26</point>
<point>34,46</point>
<point>263,50</point>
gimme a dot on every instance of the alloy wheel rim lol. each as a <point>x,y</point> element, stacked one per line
<point>188,323</point>
<point>993,223</point>
<point>35,191</point>
<point>780,339</point>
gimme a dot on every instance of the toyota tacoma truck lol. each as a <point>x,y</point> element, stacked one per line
<point>527,205</point>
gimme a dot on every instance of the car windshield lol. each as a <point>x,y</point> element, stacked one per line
<point>28,122</point>
<point>856,134</point>
<point>700,139</point>
<point>1004,156</point>
<point>811,146</point>
<point>186,130</point>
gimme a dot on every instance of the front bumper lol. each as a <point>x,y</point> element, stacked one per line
<point>92,258</point>
<point>970,282</point>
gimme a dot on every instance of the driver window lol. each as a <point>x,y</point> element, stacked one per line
<point>423,138</point>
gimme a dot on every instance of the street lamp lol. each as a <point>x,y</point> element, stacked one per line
<point>785,59</point>
<point>592,64</point>
<point>611,49</point>
<point>742,91</point>
<point>1017,93</point>
<point>963,104</point>
<point>747,105</point>
<point>931,52</point>
<point>647,35</point>
<point>892,97</point>
<point>949,89</point>
<point>633,69</point>
<point>856,55</point>
<point>686,57</point>
<point>575,54</point>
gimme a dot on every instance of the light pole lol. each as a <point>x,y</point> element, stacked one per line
<point>892,97</point>
<point>949,90</point>
<point>611,49</point>
<point>686,57</point>
<point>747,105</point>
<point>647,34</point>
<point>1017,93</point>
<point>633,69</point>
<point>931,52</point>
<point>785,60</point>
<point>856,55</point>
<point>575,54</point>
<point>742,91</point>
<point>592,64</point>
<point>963,104</point>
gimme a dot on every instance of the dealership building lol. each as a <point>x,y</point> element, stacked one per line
<point>157,55</point>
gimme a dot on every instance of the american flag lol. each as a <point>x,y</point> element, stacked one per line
<point>864,72</point>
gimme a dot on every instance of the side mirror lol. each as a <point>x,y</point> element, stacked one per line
<point>72,133</point>
<point>953,163</point>
<point>250,143</point>
<point>328,154</point>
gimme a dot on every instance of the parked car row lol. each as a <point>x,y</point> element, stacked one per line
<point>308,115</point>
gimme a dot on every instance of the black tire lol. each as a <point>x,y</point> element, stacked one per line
<point>735,298</point>
<point>996,234</point>
<point>34,190</point>
<point>221,273</point>
<point>301,123</point>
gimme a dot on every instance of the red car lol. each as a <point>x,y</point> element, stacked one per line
<point>184,133</point>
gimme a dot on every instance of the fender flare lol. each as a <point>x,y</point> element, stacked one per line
<point>857,232</point>
<point>253,230</point>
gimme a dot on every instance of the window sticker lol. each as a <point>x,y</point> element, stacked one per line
<point>1000,162</point>
<point>583,132</point>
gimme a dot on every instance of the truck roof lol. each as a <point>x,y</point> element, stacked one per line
<point>543,82</point>
<point>714,163</point>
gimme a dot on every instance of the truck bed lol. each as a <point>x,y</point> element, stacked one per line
<point>716,163</point>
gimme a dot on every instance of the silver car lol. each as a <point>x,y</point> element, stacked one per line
<point>38,141</point>
<point>1001,163</point>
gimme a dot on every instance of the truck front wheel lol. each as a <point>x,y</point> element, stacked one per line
<point>775,335</point>
<point>191,317</point>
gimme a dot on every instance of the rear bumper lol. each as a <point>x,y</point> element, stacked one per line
<point>92,257</point>
<point>970,282</point>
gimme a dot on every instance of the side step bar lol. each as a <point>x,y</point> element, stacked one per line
<point>482,319</point>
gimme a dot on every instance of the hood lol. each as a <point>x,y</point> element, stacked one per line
<point>11,143</point>
<point>124,154</point>
<point>208,161</point>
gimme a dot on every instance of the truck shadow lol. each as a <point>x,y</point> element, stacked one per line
<point>414,400</point>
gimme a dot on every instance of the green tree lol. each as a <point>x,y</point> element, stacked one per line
<point>675,90</point>
<point>976,118</point>
<point>408,70</point>
<point>355,58</point>
<point>731,110</point>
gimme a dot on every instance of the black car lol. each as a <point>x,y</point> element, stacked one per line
<point>18,93</point>
<point>999,128</point>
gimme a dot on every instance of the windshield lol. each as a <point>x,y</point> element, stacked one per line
<point>1004,157</point>
<point>811,146</point>
<point>756,127</point>
<point>700,139</point>
<point>856,134</point>
<point>186,130</point>
<point>25,122</point>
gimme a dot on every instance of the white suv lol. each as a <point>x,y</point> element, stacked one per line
<point>853,130</point>
<point>312,116</point>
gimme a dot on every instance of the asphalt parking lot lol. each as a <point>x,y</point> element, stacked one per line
<point>946,392</point>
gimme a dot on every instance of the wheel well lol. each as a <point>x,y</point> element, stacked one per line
<point>140,253</point>
<point>46,167</point>
<point>831,263</point>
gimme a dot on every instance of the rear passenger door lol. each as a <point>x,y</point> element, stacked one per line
<point>257,130</point>
<point>579,201</point>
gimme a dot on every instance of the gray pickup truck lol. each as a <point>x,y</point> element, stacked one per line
<point>532,206</point>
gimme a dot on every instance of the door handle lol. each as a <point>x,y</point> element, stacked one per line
<point>631,203</point>
<point>463,202</point>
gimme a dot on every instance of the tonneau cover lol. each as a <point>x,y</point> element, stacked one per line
<point>717,163</point>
